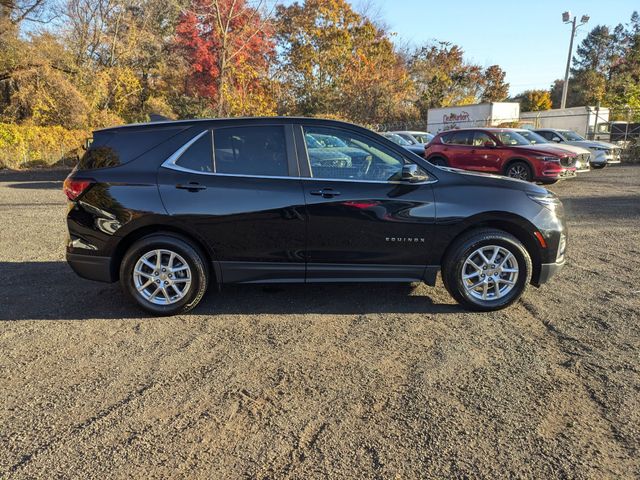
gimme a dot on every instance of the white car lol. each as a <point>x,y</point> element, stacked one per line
<point>414,136</point>
<point>584,155</point>
<point>604,153</point>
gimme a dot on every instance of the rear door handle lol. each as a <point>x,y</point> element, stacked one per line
<point>192,187</point>
<point>325,193</point>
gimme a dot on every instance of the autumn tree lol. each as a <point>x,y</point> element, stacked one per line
<point>495,89</point>
<point>534,100</point>
<point>228,45</point>
<point>334,61</point>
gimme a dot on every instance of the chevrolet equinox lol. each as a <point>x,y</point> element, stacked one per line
<point>169,208</point>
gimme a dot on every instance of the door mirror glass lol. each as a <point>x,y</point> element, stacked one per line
<point>556,139</point>
<point>411,173</point>
<point>489,144</point>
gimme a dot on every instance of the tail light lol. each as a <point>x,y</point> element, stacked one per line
<point>74,187</point>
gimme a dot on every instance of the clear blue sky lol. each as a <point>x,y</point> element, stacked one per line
<point>526,38</point>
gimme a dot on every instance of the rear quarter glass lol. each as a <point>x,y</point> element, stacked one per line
<point>111,148</point>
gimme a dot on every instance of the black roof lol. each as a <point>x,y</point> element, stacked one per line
<point>233,120</point>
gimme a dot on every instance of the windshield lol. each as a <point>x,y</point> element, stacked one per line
<point>570,136</point>
<point>422,137</point>
<point>397,139</point>
<point>533,137</point>
<point>511,138</point>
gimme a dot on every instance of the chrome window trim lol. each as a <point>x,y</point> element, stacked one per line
<point>171,161</point>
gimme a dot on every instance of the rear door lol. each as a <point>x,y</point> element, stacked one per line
<point>459,145</point>
<point>364,222</point>
<point>245,200</point>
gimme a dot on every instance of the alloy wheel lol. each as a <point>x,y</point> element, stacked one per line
<point>490,273</point>
<point>519,171</point>
<point>162,277</point>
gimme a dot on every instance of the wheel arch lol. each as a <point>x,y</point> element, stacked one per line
<point>517,226</point>
<point>135,234</point>
<point>513,160</point>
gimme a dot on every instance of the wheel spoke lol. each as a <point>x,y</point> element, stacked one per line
<point>496,287</point>
<point>471,275</point>
<point>156,291</point>
<point>148,263</point>
<point>485,289</point>
<point>505,259</point>
<point>180,269</point>
<point>143,287</point>
<point>482,255</point>
<point>158,259</point>
<point>172,257</point>
<point>496,250</point>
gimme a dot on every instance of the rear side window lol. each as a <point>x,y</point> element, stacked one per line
<point>259,150</point>
<point>460,138</point>
<point>198,156</point>
<point>116,147</point>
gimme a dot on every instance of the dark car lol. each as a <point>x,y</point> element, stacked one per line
<point>501,151</point>
<point>171,208</point>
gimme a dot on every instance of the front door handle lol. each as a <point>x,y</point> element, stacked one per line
<point>325,193</point>
<point>192,187</point>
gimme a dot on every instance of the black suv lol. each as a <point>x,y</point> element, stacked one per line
<point>169,208</point>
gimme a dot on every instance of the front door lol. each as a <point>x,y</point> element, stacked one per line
<point>364,223</point>
<point>482,157</point>
<point>244,201</point>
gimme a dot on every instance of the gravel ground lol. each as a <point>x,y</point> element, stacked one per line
<point>360,381</point>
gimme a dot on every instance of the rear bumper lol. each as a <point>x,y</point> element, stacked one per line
<point>548,270</point>
<point>91,267</point>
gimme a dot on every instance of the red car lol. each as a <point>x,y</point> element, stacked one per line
<point>501,151</point>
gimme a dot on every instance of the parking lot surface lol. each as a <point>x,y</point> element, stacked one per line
<point>355,381</point>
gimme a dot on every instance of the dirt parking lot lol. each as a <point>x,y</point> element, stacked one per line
<point>358,381</point>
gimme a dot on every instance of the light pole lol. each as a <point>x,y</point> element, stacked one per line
<point>566,18</point>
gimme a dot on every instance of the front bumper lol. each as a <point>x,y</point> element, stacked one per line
<point>548,270</point>
<point>91,267</point>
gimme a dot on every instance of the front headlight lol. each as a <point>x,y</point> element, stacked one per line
<point>601,149</point>
<point>549,159</point>
<point>548,200</point>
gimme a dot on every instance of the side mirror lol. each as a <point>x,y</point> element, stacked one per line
<point>490,144</point>
<point>556,139</point>
<point>411,173</point>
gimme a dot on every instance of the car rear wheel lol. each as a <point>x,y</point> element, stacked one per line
<point>519,170</point>
<point>441,162</point>
<point>164,274</point>
<point>487,270</point>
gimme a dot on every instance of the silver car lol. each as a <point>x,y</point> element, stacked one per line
<point>604,153</point>
<point>584,155</point>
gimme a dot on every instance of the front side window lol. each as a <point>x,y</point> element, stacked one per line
<point>198,156</point>
<point>549,135</point>
<point>511,138</point>
<point>354,156</point>
<point>481,138</point>
<point>256,150</point>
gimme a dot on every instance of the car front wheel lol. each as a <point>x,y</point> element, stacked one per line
<point>519,170</point>
<point>487,270</point>
<point>164,274</point>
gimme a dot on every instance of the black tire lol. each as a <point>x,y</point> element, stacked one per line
<point>465,246</point>
<point>598,166</point>
<point>441,162</point>
<point>190,253</point>
<point>520,170</point>
<point>549,182</point>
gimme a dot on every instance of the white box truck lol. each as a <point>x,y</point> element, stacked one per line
<point>590,122</point>
<point>478,115</point>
